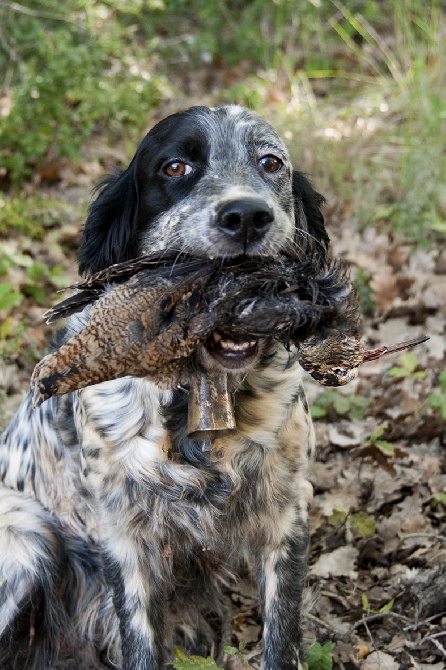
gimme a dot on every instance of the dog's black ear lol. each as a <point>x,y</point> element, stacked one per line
<point>310,228</point>
<point>110,230</point>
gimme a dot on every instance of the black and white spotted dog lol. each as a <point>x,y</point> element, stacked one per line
<point>118,533</point>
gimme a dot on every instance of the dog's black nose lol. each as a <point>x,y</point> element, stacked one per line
<point>247,220</point>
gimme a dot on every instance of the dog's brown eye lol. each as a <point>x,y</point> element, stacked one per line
<point>177,169</point>
<point>270,163</point>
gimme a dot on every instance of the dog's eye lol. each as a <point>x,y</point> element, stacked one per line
<point>177,169</point>
<point>270,163</point>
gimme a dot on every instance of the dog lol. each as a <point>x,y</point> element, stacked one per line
<point>119,534</point>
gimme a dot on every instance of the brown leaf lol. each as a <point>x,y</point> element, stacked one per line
<point>385,291</point>
<point>338,563</point>
<point>378,660</point>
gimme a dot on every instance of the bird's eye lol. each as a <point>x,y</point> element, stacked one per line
<point>177,169</point>
<point>270,163</point>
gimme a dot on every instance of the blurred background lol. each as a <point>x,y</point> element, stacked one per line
<point>357,88</point>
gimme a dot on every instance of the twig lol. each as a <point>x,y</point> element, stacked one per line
<point>417,624</point>
<point>320,622</point>
<point>434,537</point>
<point>437,644</point>
<point>380,615</point>
<point>16,7</point>
<point>12,53</point>
<point>369,633</point>
<point>410,536</point>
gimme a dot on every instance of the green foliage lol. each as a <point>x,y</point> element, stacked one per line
<point>408,367</point>
<point>14,341</point>
<point>338,517</point>
<point>185,662</point>
<point>37,281</point>
<point>84,67</point>
<point>438,400</point>
<point>37,276</point>
<point>68,80</point>
<point>237,653</point>
<point>438,499</point>
<point>352,406</point>
<point>383,610</point>
<point>9,298</point>
<point>30,216</point>
<point>319,656</point>
<point>363,524</point>
<point>379,137</point>
<point>415,80</point>
<point>360,522</point>
<point>375,440</point>
<point>362,286</point>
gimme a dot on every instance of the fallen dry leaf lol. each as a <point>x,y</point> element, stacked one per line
<point>378,660</point>
<point>338,563</point>
<point>384,286</point>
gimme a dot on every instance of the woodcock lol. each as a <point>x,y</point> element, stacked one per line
<point>148,317</point>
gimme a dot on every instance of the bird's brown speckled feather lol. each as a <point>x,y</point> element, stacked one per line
<point>159,309</point>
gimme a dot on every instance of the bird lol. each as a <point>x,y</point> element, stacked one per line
<point>147,318</point>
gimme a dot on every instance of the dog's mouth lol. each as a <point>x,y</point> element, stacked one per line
<point>232,351</point>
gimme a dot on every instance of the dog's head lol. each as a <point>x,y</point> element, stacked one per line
<point>209,182</point>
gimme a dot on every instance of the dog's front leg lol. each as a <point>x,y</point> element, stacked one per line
<point>275,414</point>
<point>281,574</point>
<point>122,442</point>
<point>132,570</point>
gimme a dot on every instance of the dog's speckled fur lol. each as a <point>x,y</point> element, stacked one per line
<point>117,531</point>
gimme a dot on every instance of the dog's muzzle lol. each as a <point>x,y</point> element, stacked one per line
<point>245,221</point>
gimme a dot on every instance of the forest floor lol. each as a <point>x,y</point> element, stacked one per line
<point>377,567</point>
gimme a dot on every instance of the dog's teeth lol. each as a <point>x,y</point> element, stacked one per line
<point>229,345</point>
<point>236,346</point>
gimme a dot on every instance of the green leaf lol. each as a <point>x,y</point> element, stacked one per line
<point>9,298</point>
<point>341,404</point>
<point>319,656</point>
<point>337,517</point>
<point>377,434</point>
<point>442,380</point>
<point>5,328</point>
<point>360,401</point>
<point>233,651</point>
<point>385,446</point>
<point>409,361</point>
<point>317,412</point>
<point>364,292</point>
<point>398,372</point>
<point>36,293</point>
<point>438,226</point>
<point>365,602</point>
<point>438,498</point>
<point>387,607</point>
<point>230,651</point>
<point>363,524</point>
<point>438,401</point>
<point>184,662</point>
<point>359,407</point>
<point>326,398</point>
